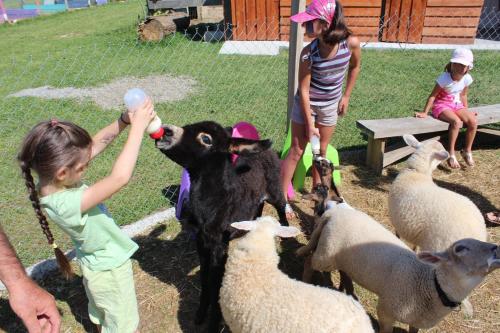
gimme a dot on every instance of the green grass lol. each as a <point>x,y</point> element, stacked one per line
<point>87,48</point>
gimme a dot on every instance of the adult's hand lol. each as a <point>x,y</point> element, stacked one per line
<point>35,306</point>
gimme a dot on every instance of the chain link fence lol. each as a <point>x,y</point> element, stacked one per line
<point>192,76</point>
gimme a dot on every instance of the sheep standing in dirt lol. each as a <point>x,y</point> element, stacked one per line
<point>416,290</point>
<point>221,192</point>
<point>257,297</point>
<point>424,214</point>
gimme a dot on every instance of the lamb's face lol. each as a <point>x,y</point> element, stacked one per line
<point>428,156</point>
<point>185,145</point>
<point>327,191</point>
<point>325,169</point>
<point>473,259</point>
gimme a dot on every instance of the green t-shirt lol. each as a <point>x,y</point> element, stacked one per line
<point>99,242</point>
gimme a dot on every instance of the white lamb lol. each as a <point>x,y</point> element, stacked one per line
<point>418,291</point>
<point>257,297</point>
<point>424,214</point>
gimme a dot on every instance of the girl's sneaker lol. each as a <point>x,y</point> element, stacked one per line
<point>467,156</point>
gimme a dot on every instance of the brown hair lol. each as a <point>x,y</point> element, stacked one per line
<point>447,68</point>
<point>49,146</point>
<point>338,30</point>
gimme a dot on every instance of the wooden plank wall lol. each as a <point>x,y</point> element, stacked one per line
<point>255,19</point>
<point>413,21</point>
<point>403,21</point>
<point>362,16</point>
<point>451,21</point>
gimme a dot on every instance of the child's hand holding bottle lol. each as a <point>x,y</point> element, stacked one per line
<point>142,116</point>
<point>134,100</point>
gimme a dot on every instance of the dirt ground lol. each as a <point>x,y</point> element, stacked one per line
<point>166,266</point>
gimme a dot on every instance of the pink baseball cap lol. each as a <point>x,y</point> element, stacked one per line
<point>462,56</point>
<point>318,9</point>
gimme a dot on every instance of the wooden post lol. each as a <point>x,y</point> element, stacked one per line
<point>375,154</point>
<point>295,47</point>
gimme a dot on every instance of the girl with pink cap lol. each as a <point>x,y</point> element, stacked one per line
<point>448,101</point>
<point>323,64</point>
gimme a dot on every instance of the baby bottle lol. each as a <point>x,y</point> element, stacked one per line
<point>135,97</point>
<point>315,145</point>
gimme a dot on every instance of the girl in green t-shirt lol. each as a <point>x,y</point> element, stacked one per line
<point>59,153</point>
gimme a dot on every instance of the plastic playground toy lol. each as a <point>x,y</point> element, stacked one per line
<point>305,162</point>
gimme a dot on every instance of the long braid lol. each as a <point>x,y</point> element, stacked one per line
<point>49,146</point>
<point>62,261</point>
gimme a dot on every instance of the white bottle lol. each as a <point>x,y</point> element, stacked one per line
<point>315,145</point>
<point>134,98</point>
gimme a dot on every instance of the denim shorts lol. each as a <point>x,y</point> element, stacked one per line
<point>323,115</point>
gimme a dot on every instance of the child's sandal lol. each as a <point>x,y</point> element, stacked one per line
<point>453,162</point>
<point>467,156</point>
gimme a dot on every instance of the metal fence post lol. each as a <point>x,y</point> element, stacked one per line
<point>295,47</point>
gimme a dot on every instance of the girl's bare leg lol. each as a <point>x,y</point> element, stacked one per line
<point>455,125</point>
<point>469,119</point>
<point>294,154</point>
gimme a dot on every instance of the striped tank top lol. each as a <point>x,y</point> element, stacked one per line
<point>327,75</point>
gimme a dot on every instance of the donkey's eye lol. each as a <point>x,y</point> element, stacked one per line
<point>205,139</point>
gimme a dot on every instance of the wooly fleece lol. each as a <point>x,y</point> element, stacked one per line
<point>257,297</point>
<point>425,214</point>
<point>373,257</point>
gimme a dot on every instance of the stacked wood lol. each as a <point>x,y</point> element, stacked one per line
<point>155,28</point>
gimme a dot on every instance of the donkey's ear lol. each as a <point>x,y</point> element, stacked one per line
<point>229,130</point>
<point>248,146</point>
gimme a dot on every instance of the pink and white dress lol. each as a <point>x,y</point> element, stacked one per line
<point>449,97</point>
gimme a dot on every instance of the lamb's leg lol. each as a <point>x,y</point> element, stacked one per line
<point>259,210</point>
<point>413,330</point>
<point>216,275</point>
<point>467,308</point>
<point>279,203</point>
<point>308,271</point>
<point>204,257</point>
<point>346,284</point>
<point>385,320</point>
<point>275,196</point>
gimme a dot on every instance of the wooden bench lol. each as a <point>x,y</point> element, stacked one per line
<point>380,130</point>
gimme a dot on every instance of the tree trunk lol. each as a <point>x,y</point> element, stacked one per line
<point>156,28</point>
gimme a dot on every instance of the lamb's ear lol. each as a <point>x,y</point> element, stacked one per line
<point>248,146</point>
<point>432,258</point>
<point>411,141</point>
<point>286,232</point>
<point>441,155</point>
<point>244,225</point>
